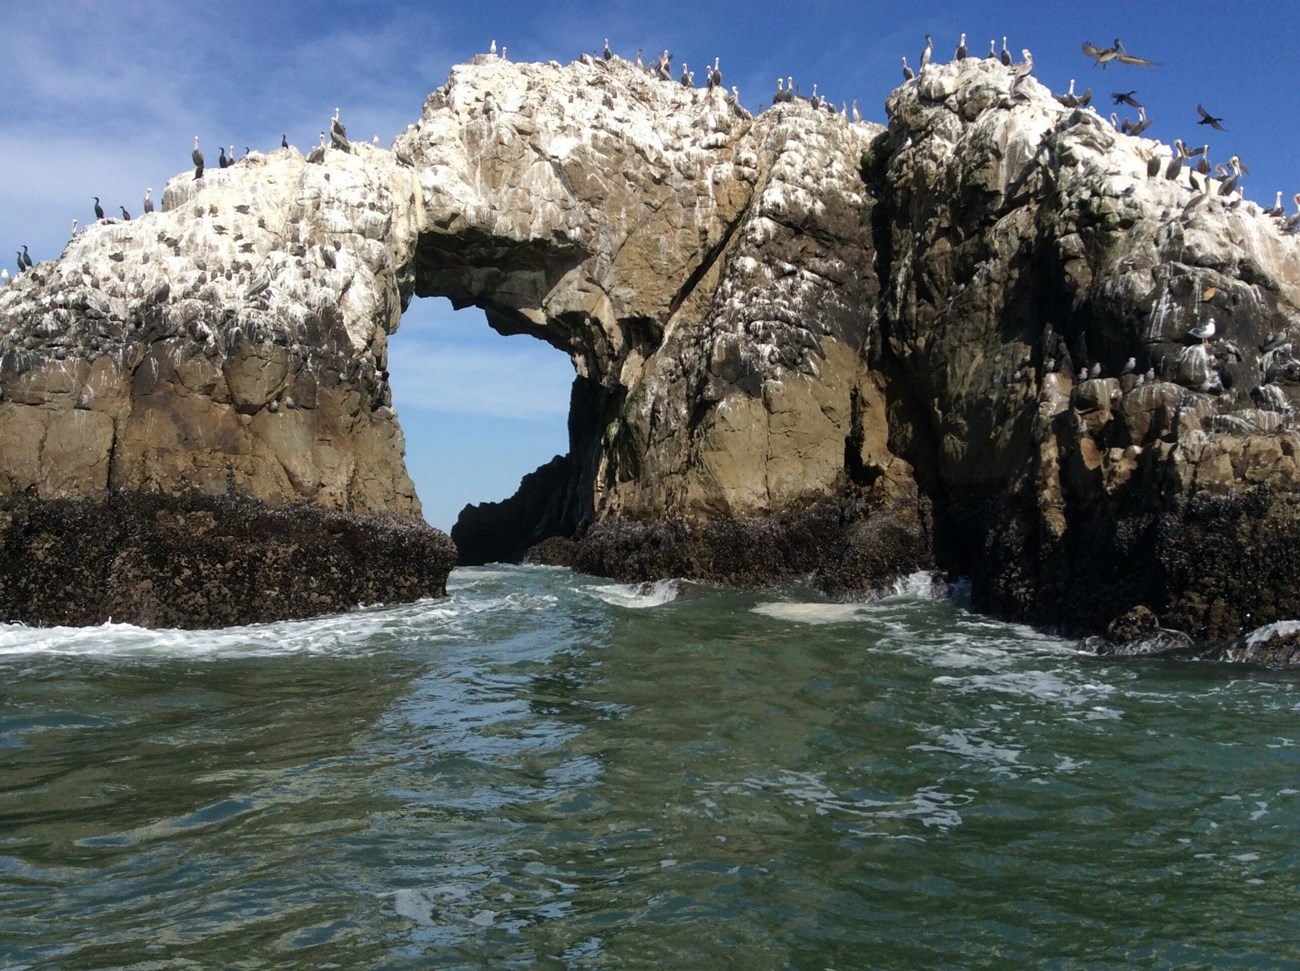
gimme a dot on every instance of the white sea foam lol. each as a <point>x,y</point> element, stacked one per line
<point>919,586</point>
<point>811,613</point>
<point>1045,686</point>
<point>637,596</point>
<point>355,632</point>
<point>1262,635</point>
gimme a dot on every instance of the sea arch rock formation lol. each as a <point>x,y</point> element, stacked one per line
<point>802,344</point>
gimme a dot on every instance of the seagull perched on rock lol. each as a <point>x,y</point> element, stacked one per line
<point>1203,332</point>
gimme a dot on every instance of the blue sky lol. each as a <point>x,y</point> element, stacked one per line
<point>104,99</point>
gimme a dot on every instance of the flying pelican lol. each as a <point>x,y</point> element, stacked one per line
<point>1209,119</point>
<point>1124,57</point>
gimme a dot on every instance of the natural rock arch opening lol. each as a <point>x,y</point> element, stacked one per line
<point>479,413</point>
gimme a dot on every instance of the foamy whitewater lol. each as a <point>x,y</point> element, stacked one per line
<point>551,770</point>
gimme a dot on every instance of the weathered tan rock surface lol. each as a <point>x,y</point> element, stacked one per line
<point>802,345</point>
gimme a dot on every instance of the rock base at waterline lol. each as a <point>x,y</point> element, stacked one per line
<point>203,561</point>
<point>846,550</point>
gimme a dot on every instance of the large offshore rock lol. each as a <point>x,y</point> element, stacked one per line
<point>802,345</point>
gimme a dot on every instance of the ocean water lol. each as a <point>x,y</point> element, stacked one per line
<point>546,770</point>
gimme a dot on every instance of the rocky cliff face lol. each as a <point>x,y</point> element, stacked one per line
<point>801,344</point>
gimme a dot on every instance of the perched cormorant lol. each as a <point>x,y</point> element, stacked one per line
<point>222,161</point>
<point>1209,119</point>
<point>26,257</point>
<point>20,260</point>
<point>148,200</point>
<point>960,53</point>
<point>197,156</point>
<point>908,73</point>
<point>99,210</point>
<point>126,216</point>
<point>284,141</point>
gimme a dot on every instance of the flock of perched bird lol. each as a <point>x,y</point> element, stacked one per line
<point>1197,160</point>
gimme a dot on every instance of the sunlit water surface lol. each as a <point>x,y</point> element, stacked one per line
<point>549,770</point>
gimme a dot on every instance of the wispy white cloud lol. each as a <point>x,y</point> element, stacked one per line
<point>516,377</point>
